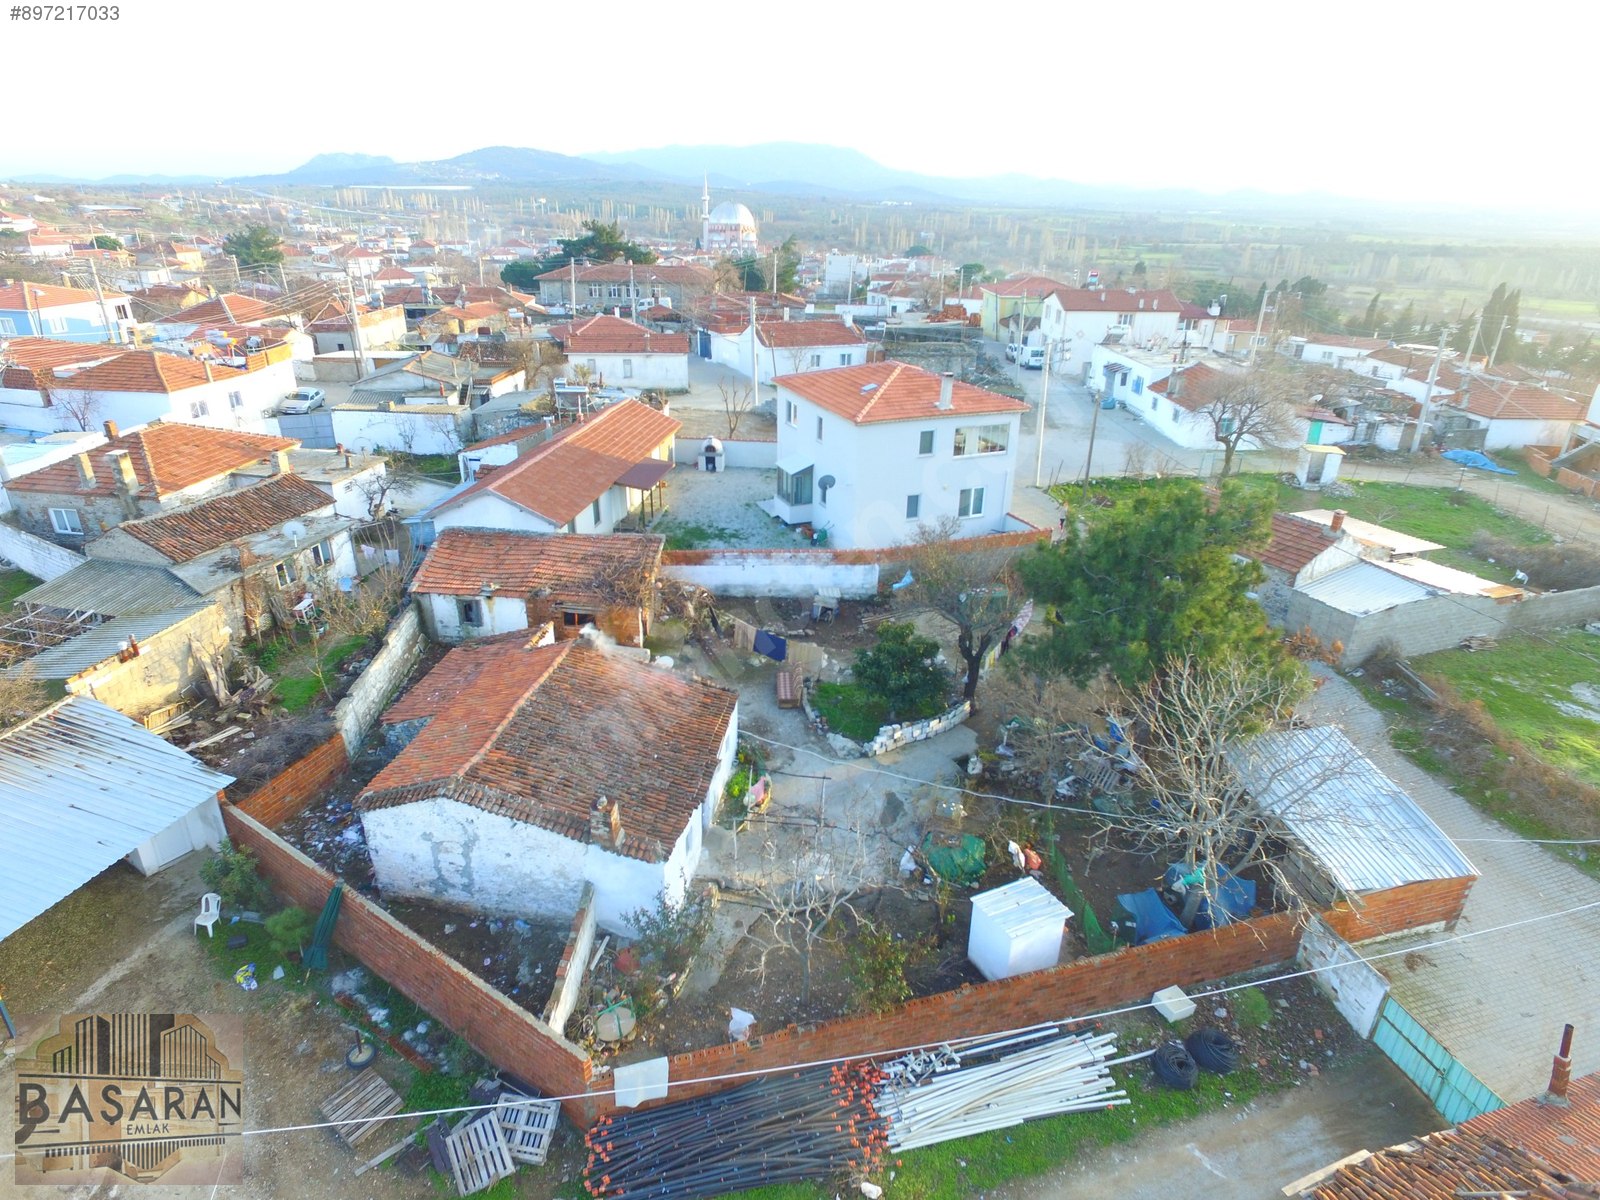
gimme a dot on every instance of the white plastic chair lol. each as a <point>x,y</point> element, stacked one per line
<point>210,910</point>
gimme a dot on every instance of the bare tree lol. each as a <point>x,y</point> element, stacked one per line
<point>80,407</point>
<point>1257,406</point>
<point>22,694</point>
<point>1042,713</point>
<point>737,399</point>
<point>398,477</point>
<point>446,429</point>
<point>973,588</point>
<point>1192,721</point>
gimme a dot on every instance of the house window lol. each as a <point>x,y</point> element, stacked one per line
<point>615,291</point>
<point>199,408</point>
<point>285,572</point>
<point>122,312</point>
<point>235,399</point>
<point>55,324</point>
<point>322,553</point>
<point>1258,339</point>
<point>469,611</point>
<point>594,291</point>
<point>1225,426</point>
<point>571,526</point>
<point>795,489</point>
<point>594,367</point>
<point>844,359</point>
<point>791,412</point>
<point>913,507</point>
<point>627,368</point>
<point>1174,413</point>
<point>925,443</point>
<point>594,513</point>
<point>8,327</point>
<point>971,502</point>
<point>982,439</point>
<point>574,620</point>
<point>816,360</point>
<point>1155,403</point>
<point>1138,385</point>
<point>65,521</point>
<point>819,429</point>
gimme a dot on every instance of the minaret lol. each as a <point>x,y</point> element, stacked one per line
<point>705,215</point>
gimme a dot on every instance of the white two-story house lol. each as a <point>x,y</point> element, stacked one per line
<point>867,454</point>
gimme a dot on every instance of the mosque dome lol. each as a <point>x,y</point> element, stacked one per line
<point>731,213</point>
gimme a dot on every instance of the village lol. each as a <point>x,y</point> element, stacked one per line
<point>563,687</point>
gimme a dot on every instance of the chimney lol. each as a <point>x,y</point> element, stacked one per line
<point>1560,1073</point>
<point>947,387</point>
<point>280,463</point>
<point>617,835</point>
<point>86,470</point>
<point>111,431</point>
<point>605,824</point>
<point>122,471</point>
<point>785,312</point>
<point>1337,524</point>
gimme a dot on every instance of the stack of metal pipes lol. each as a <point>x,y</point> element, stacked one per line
<point>995,1084</point>
<point>806,1125</point>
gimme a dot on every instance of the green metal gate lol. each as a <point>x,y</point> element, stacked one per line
<point>1456,1092</point>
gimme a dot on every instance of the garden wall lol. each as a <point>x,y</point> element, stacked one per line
<point>799,574</point>
<point>503,1032</point>
<point>293,789</point>
<point>369,695</point>
<point>35,555</point>
<point>738,453</point>
<point>574,964</point>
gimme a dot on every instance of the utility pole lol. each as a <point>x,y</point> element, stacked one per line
<point>1271,305</point>
<point>355,329</point>
<point>755,353</point>
<point>1472,342</point>
<point>573,263</point>
<point>1495,352</point>
<point>1426,422</point>
<point>1088,459</point>
<point>112,328</point>
<point>1044,409</point>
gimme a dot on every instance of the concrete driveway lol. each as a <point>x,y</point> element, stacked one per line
<point>1498,1001</point>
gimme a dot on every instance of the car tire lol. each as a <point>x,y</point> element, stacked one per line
<point>1174,1067</point>
<point>1213,1050</point>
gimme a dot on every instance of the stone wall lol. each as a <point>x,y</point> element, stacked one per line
<point>358,712</point>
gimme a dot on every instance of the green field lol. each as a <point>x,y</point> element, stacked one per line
<point>1543,691</point>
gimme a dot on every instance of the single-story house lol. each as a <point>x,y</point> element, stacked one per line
<point>481,582</point>
<point>628,355</point>
<point>86,786</point>
<point>787,347</point>
<point>531,770</point>
<point>1299,552</point>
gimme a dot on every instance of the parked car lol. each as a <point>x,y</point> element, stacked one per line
<point>303,400</point>
<point>1031,357</point>
<point>1011,351</point>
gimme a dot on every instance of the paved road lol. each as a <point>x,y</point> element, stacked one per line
<point>1497,1001</point>
<point>1249,1153</point>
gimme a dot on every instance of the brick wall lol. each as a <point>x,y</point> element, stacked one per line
<point>503,1032</point>
<point>1584,485</point>
<point>290,791</point>
<point>574,965</point>
<point>1412,906</point>
<point>1539,458</point>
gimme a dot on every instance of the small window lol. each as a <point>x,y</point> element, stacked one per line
<point>594,367</point>
<point>1225,426</point>
<point>469,611</point>
<point>615,291</point>
<point>8,327</point>
<point>1174,413</point>
<point>594,291</point>
<point>816,360</point>
<point>627,368</point>
<point>571,526</point>
<point>575,620</point>
<point>913,507</point>
<point>982,439</point>
<point>338,346</point>
<point>594,513</point>
<point>844,359</point>
<point>285,572</point>
<point>235,399</point>
<point>199,408</point>
<point>1138,385</point>
<point>819,429</point>
<point>791,412</point>
<point>971,502</point>
<point>65,521</point>
<point>55,324</point>
<point>322,553</point>
<point>925,442</point>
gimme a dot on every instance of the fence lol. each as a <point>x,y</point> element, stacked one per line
<point>292,790</point>
<point>35,555</point>
<point>369,695</point>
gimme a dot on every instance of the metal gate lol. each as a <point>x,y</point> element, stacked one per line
<point>1456,1092</point>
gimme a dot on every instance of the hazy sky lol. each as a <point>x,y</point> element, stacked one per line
<point>1416,102</point>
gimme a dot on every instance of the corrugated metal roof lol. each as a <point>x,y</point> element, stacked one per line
<point>1364,588</point>
<point>112,589</point>
<point>1366,833</point>
<point>1441,578</point>
<point>104,641</point>
<point>81,786</point>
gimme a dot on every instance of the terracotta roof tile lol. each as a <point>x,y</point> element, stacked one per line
<point>1566,1138</point>
<point>463,561</point>
<point>1119,300</point>
<point>30,358</point>
<point>539,734</point>
<point>790,335</point>
<point>1445,1166</point>
<point>200,528</point>
<point>48,295</point>
<point>1024,285</point>
<point>153,371</point>
<point>641,273</point>
<point>230,308</point>
<point>892,391</point>
<point>561,478</point>
<point>1515,402</point>
<point>612,335</point>
<point>165,457</point>
<point>1295,542</point>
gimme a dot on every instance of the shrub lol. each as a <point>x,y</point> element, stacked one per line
<point>289,930</point>
<point>231,873</point>
<point>900,670</point>
<point>669,936</point>
<point>877,960</point>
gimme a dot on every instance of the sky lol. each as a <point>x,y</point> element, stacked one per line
<point>1412,101</point>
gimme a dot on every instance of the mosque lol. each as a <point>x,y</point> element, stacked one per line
<point>728,227</point>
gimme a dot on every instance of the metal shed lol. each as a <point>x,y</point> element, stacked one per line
<point>81,786</point>
<point>1356,824</point>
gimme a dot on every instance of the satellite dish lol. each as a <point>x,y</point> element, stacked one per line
<point>295,529</point>
<point>827,481</point>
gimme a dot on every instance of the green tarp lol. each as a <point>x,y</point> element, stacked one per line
<point>957,865</point>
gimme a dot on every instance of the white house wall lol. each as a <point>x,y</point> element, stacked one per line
<point>367,430</point>
<point>1513,435</point>
<point>670,371</point>
<point>501,614</point>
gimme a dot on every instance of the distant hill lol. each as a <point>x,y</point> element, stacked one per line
<point>498,164</point>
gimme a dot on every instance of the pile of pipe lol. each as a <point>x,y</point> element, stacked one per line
<point>936,1096</point>
<point>788,1128</point>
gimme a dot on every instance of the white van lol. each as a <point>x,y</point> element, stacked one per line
<point>1031,357</point>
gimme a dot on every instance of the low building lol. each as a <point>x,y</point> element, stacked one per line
<point>628,355</point>
<point>479,583</point>
<point>1079,319</point>
<point>1299,553</point>
<point>530,770</point>
<point>1009,303</point>
<point>870,454</point>
<point>610,285</point>
<point>70,314</point>
<point>787,347</point>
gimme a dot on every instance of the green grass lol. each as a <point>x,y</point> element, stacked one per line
<point>1526,475</point>
<point>1525,682</point>
<point>1252,1007</point>
<point>257,949</point>
<point>13,584</point>
<point>850,711</point>
<point>300,686</point>
<point>971,1166</point>
<point>694,537</point>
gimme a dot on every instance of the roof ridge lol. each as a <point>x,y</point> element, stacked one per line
<point>561,650</point>
<point>877,392</point>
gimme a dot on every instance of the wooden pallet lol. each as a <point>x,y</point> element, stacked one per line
<point>478,1154</point>
<point>527,1125</point>
<point>366,1100</point>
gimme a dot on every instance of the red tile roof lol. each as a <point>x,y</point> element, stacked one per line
<point>29,359</point>
<point>166,458</point>
<point>1566,1138</point>
<point>505,437</point>
<point>152,371</point>
<point>230,308</point>
<point>1120,300</point>
<point>791,335</point>
<point>892,391</point>
<point>200,528</point>
<point>1295,542</point>
<point>1446,1166</point>
<point>613,335</point>
<point>47,295</point>
<point>1515,402</point>
<point>573,566</point>
<point>561,478</point>
<point>1197,386</point>
<point>1024,285</point>
<point>539,734</point>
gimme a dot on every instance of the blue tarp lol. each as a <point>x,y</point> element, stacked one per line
<point>770,644</point>
<point>1236,897</point>
<point>1471,458</point>
<point>1153,920</point>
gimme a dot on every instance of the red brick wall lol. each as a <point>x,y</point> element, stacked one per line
<point>1408,907</point>
<point>1539,458</point>
<point>503,1032</point>
<point>1574,482</point>
<point>288,793</point>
